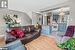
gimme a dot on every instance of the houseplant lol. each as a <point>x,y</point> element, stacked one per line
<point>10,21</point>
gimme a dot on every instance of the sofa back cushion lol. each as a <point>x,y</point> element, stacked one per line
<point>28,29</point>
<point>70,31</point>
<point>32,29</point>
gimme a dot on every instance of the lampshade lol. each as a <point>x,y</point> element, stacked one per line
<point>61,13</point>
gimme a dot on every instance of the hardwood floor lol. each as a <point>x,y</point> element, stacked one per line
<point>42,43</point>
<point>2,41</point>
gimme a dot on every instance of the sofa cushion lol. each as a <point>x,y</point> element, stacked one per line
<point>20,48</point>
<point>13,45</point>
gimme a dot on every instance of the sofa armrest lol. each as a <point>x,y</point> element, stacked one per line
<point>31,37</point>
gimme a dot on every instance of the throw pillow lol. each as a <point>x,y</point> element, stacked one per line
<point>17,32</point>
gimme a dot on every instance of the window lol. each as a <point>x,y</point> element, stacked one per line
<point>4,4</point>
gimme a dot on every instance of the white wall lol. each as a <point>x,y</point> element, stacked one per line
<point>25,19</point>
<point>32,5</point>
<point>72,12</point>
<point>36,17</point>
<point>35,5</point>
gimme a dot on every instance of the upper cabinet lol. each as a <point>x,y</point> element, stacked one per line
<point>3,3</point>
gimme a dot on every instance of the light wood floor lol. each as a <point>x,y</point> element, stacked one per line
<point>42,43</point>
<point>2,41</point>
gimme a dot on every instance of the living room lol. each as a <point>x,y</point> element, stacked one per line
<point>37,25</point>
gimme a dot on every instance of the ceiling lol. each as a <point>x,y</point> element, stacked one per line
<point>29,6</point>
<point>32,4</point>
